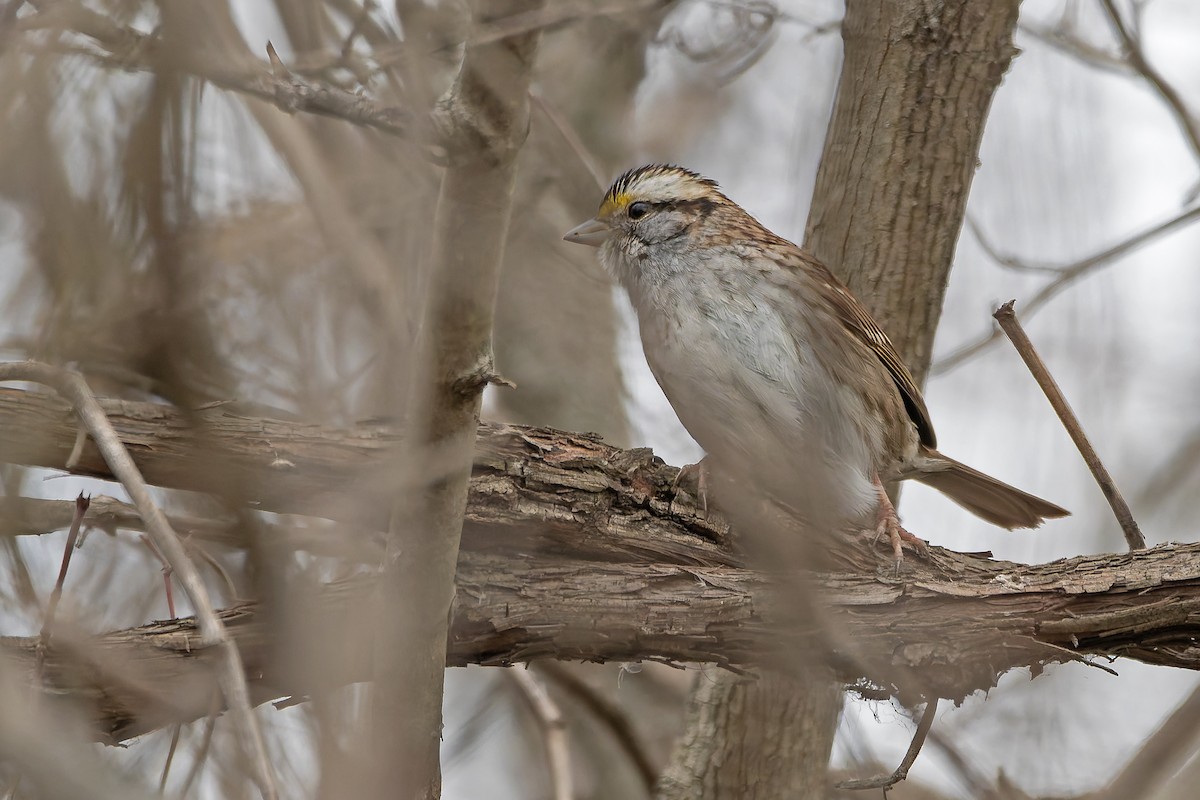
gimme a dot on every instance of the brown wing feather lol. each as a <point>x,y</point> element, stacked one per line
<point>851,312</point>
<point>859,322</point>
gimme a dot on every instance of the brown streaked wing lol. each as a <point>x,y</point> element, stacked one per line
<point>859,322</point>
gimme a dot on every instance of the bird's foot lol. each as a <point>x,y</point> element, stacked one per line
<point>888,523</point>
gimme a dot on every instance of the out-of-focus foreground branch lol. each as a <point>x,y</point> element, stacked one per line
<point>127,48</point>
<point>620,571</point>
<point>490,99</point>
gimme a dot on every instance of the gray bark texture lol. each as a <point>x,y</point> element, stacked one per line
<point>767,736</point>
<point>571,550</point>
<point>917,81</point>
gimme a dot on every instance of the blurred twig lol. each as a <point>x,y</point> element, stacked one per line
<point>489,105</point>
<point>1174,474</point>
<point>1131,42</point>
<point>914,749</point>
<point>28,516</point>
<point>1009,323</point>
<point>213,631</point>
<point>135,50</point>
<point>612,717</point>
<point>201,754</point>
<point>551,16</point>
<point>571,137</point>
<point>1065,276</point>
<point>977,786</point>
<point>1066,41</point>
<point>553,726</point>
<point>166,572</point>
<point>176,729</point>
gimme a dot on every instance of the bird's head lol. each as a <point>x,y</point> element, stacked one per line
<point>648,206</point>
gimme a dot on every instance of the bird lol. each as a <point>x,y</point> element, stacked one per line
<point>771,364</point>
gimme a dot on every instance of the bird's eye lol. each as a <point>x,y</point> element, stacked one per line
<point>638,210</point>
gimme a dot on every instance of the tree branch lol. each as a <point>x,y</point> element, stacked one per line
<point>131,49</point>
<point>114,452</point>
<point>958,622</point>
<point>619,571</point>
<point>543,486</point>
<point>489,100</point>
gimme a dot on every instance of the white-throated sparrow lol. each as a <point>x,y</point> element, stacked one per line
<point>771,363</point>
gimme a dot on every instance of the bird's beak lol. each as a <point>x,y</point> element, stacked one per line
<point>592,233</point>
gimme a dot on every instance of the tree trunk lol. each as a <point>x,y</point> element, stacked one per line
<point>489,106</point>
<point>903,144</point>
<point>748,738</point>
<point>917,80</point>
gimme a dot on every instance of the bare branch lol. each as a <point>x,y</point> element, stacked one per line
<point>131,49</point>
<point>1132,43</point>
<point>1009,323</point>
<point>553,726</point>
<point>910,756</point>
<point>213,632</point>
<point>957,621</point>
<point>1066,275</point>
<point>488,105</point>
<point>541,484</point>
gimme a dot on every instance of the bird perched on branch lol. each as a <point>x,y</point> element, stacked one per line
<point>772,365</point>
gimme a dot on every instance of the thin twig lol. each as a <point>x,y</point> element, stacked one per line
<point>81,507</point>
<point>914,748</point>
<point>77,448</point>
<point>1009,323</point>
<point>136,50</point>
<point>1138,61</point>
<point>210,726</point>
<point>356,30</point>
<point>977,785</point>
<point>1004,259</point>
<point>612,717</point>
<point>212,631</point>
<point>567,131</point>
<point>166,572</point>
<point>1066,276</point>
<point>1065,41</point>
<point>217,567</point>
<point>554,730</point>
<point>549,17</point>
<point>176,729</point>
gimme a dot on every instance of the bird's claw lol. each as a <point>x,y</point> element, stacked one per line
<point>888,523</point>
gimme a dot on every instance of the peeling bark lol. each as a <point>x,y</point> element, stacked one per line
<point>577,550</point>
<point>950,627</point>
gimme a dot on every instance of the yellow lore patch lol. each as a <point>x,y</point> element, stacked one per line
<point>614,203</point>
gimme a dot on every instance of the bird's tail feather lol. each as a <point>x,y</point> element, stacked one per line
<point>986,497</point>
